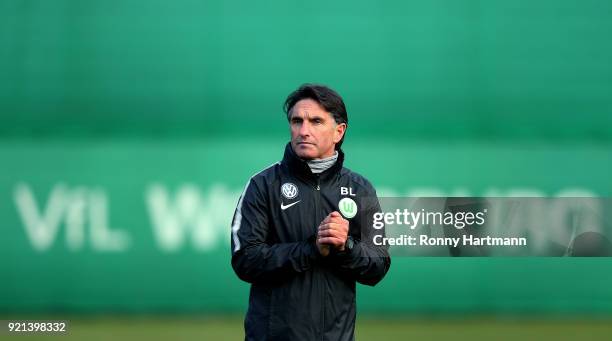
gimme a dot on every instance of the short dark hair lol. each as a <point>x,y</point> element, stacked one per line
<point>329,99</point>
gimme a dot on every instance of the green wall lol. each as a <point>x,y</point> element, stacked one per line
<point>145,226</point>
<point>426,69</point>
<point>129,127</point>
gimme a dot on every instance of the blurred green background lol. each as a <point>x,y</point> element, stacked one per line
<point>128,129</point>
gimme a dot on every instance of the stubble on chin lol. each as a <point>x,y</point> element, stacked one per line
<point>305,153</point>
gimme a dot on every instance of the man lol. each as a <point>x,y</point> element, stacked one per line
<point>302,230</point>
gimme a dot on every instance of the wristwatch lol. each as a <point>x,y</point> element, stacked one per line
<point>349,244</point>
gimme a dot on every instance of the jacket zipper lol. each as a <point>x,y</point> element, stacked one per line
<point>318,218</point>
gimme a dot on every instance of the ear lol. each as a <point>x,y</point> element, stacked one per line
<point>339,132</point>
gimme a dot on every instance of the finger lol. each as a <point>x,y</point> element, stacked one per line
<point>333,233</point>
<point>339,221</point>
<point>329,233</point>
<point>336,216</point>
<point>331,241</point>
<point>324,234</point>
<point>321,245</point>
<point>335,226</point>
<point>330,226</point>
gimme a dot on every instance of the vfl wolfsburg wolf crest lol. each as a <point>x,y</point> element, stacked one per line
<point>347,207</point>
<point>289,190</point>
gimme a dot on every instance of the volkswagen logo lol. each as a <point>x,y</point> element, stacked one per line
<point>289,190</point>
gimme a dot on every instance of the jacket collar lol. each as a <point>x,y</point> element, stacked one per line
<point>301,168</point>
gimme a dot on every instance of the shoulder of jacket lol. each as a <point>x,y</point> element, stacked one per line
<point>358,179</point>
<point>266,175</point>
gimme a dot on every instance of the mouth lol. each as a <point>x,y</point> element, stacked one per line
<point>305,144</point>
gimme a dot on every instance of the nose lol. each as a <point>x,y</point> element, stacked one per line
<point>304,130</point>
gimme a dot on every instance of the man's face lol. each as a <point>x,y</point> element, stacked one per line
<point>314,132</point>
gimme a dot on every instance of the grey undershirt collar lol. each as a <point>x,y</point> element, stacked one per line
<point>319,166</point>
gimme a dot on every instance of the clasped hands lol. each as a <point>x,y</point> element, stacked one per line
<point>332,233</point>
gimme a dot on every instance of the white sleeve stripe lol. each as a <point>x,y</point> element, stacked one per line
<point>238,218</point>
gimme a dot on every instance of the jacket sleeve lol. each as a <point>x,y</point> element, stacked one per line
<point>367,263</point>
<point>254,258</point>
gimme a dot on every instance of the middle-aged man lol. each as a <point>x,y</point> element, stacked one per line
<point>302,230</point>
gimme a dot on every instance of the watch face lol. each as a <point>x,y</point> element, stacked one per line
<point>349,243</point>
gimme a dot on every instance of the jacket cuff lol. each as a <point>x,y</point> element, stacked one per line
<point>346,255</point>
